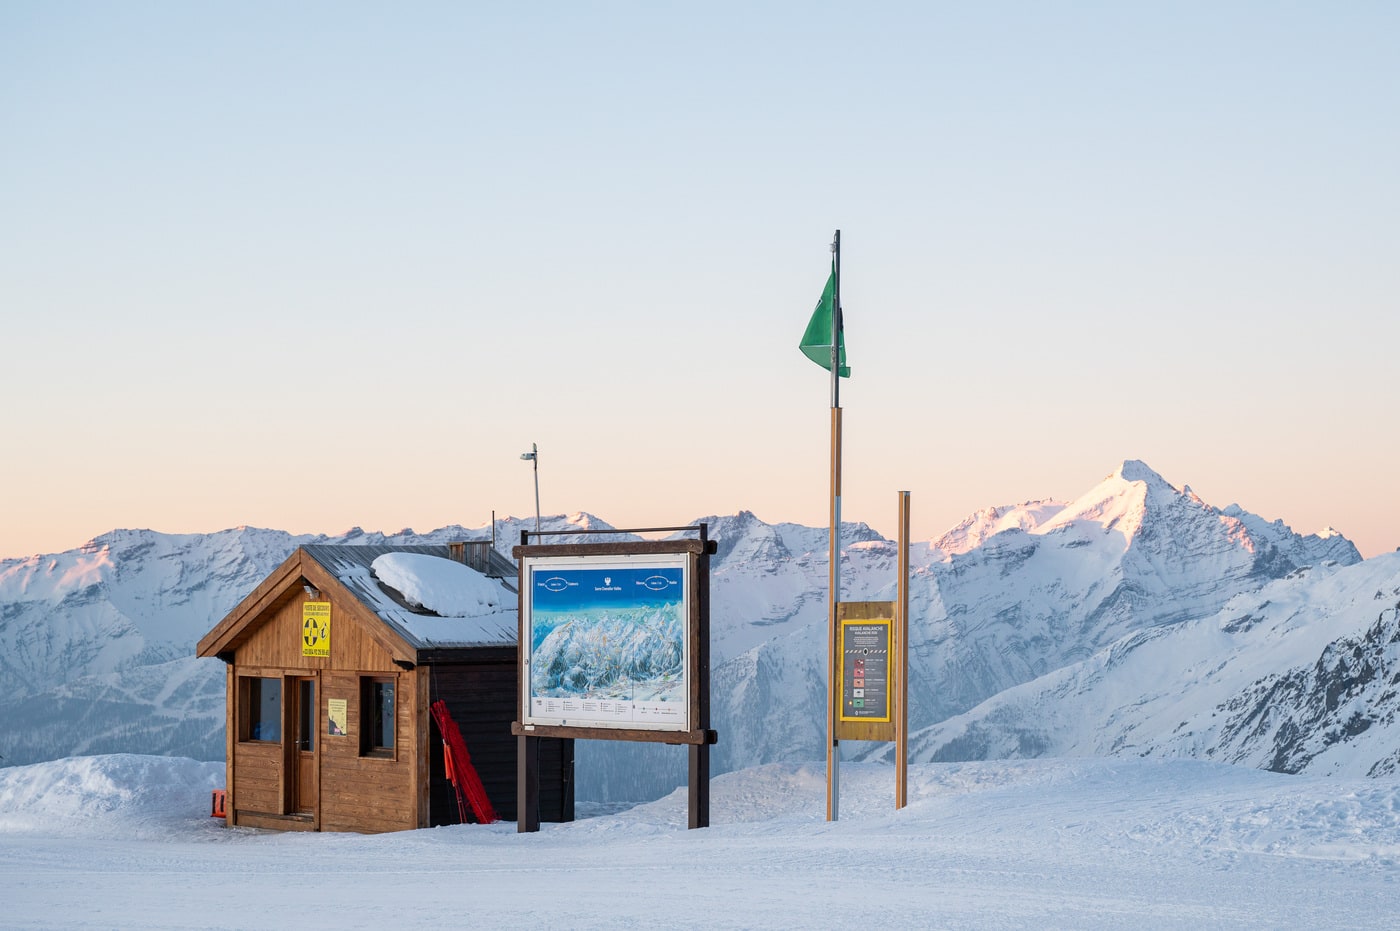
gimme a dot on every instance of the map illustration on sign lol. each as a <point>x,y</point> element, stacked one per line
<point>608,645</point>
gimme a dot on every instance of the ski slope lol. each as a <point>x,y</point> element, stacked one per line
<point>124,842</point>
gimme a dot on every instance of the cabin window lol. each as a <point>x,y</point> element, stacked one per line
<point>377,717</point>
<point>263,702</point>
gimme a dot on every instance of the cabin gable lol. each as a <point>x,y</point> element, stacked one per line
<point>336,734</point>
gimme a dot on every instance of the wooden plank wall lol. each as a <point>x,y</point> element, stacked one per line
<point>258,779</point>
<point>356,793</point>
<point>366,793</point>
<point>277,642</point>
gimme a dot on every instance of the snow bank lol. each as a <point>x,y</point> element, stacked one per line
<point>123,795</point>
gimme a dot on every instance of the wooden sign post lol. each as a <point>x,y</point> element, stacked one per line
<point>870,669</point>
<point>901,638</point>
<point>582,607</point>
<point>865,671</point>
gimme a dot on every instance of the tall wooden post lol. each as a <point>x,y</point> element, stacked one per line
<point>833,691</point>
<point>527,784</point>
<point>699,754</point>
<point>901,700</point>
<point>833,638</point>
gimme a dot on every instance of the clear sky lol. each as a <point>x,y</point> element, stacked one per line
<point>317,265</point>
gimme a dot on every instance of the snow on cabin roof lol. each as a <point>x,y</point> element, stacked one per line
<point>429,598</point>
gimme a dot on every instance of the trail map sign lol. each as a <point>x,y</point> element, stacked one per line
<point>615,645</point>
<point>606,642</point>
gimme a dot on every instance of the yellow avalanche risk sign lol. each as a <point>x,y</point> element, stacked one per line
<point>316,628</point>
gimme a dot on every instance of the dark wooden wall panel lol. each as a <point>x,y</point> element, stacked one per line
<point>481,698</point>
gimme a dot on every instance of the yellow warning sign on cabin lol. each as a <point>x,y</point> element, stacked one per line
<point>316,628</point>
<point>336,717</point>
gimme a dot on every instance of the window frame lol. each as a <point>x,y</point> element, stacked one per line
<point>248,709</point>
<point>380,751</point>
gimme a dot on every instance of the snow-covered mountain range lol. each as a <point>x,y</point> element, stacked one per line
<point>1012,611</point>
<point>1301,674</point>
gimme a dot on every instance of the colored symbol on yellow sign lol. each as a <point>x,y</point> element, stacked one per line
<point>316,629</point>
<point>313,631</point>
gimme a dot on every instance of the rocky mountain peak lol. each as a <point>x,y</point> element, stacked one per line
<point>582,520</point>
<point>745,537</point>
<point>973,531</point>
<point>98,640</point>
<point>1135,470</point>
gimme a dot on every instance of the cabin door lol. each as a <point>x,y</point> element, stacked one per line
<point>304,748</point>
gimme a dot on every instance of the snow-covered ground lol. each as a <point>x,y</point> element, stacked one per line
<point>124,842</point>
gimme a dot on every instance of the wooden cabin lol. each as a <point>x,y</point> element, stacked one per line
<point>331,675</point>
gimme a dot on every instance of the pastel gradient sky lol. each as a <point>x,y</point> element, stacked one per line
<point>317,265</point>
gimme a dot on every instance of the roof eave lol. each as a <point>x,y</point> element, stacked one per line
<point>240,623</point>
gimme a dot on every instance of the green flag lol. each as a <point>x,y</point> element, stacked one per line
<point>816,342</point>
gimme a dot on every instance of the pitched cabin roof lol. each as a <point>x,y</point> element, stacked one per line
<point>353,567</point>
<point>411,633</point>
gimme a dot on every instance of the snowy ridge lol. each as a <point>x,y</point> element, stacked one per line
<point>96,642</point>
<point>988,522</point>
<point>1299,676</point>
<point>1131,554</point>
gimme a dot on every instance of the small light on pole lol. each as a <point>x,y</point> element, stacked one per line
<point>534,456</point>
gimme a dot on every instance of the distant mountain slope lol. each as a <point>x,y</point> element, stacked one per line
<point>1057,585</point>
<point>1303,674</point>
<point>1048,584</point>
<point>96,643</point>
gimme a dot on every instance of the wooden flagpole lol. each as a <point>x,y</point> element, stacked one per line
<point>833,688</point>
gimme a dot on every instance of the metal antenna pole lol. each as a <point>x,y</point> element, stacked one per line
<point>534,456</point>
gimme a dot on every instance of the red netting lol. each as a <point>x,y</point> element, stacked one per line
<point>460,770</point>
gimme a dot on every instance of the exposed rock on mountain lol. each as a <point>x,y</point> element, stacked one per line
<point>1303,674</point>
<point>96,643</point>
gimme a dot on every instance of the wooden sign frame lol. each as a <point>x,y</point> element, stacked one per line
<point>852,613</point>
<point>694,734</point>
